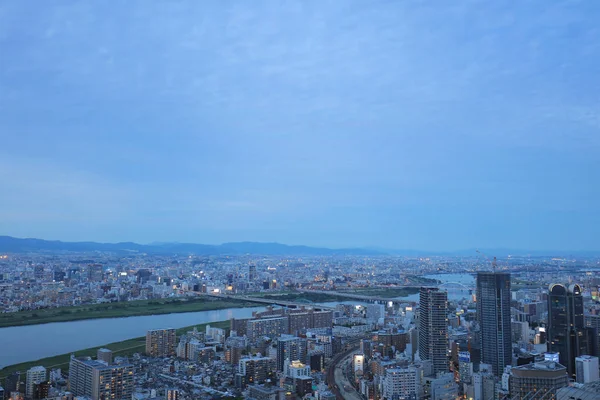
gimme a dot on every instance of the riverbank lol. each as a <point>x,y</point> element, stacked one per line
<point>122,348</point>
<point>390,292</point>
<point>118,310</point>
<point>301,297</point>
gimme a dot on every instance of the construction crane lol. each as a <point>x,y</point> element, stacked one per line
<point>494,261</point>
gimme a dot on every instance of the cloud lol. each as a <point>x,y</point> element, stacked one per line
<point>151,117</point>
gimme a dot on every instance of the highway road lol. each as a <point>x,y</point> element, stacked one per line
<point>342,382</point>
<point>335,377</point>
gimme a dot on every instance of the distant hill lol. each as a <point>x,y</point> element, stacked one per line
<point>17,245</point>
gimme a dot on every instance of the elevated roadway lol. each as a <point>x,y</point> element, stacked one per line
<point>260,300</point>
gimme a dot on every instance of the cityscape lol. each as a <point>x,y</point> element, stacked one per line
<point>299,200</point>
<point>300,327</point>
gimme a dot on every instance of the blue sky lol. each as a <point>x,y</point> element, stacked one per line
<point>430,125</point>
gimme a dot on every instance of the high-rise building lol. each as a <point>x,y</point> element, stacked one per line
<point>484,383</point>
<point>375,312</point>
<point>433,327</point>
<point>171,394</point>
<point>290,348</point>
<point>41,390</point>
<point>251,273</point>
<point>35,375</point>
<point>161,342</point>
<point>443,387</point>
<point>586,368</point>
<point>100,381</point>
<point>567,334</point>
<point>253,370</point>
<point>104,355</point>
<point>493,315</point>
<point>539,380</point>
<point>401,383</point>
<point>12,383</point>
<point>270,327</point>
<point>592,323</point>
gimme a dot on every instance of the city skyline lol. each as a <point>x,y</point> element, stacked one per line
<point>381,124</point>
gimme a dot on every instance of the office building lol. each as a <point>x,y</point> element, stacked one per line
<point>433,327</point>
<point>161,342</point>
<point>589,391</point>
<point>104,355</point>
<point>592,323</point>
<point>375,312</point>
<point>99,381</point>
<point>493,315</point>
<point>443,387</point>
<point>465,367</point>
<point>358,364</point>
<point>567,334</point>
<point>586,369</point>
<point>251,273</point>
<point>35,375</point>
<point>484,383</point>
<point>537,380</point>
<point>401,383</point>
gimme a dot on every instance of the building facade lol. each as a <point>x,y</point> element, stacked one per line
<point>537,380</point>
<point>35,375</point>
<point>161,342</point>
<point>433,327</point>
<point>567,334</point>
<point>493,315</point>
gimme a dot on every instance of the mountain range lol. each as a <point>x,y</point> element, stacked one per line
<point>19,245</point>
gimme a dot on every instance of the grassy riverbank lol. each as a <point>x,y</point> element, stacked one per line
<point>301,297</point>
<point>385,292</point>
<point>117,310</point>
<point>124,348</point>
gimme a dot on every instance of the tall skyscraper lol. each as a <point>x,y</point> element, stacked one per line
<point>433,328</point>
<point>35,375</point>
<point>493,315</point>
<point>567,334</point>
<point>161,342</point>
<point>251,273</point>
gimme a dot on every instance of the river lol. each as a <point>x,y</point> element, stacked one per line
<point>459,286</point>
<point>32,342</point>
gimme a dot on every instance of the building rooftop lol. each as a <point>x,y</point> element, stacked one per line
<point>541,366</point>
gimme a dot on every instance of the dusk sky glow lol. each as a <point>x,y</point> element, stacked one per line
<point>407,125</point>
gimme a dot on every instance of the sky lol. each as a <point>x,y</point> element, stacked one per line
<point>431,125</point>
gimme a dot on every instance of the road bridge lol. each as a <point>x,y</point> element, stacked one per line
<point>260,300</point>
<point>357,296</point>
